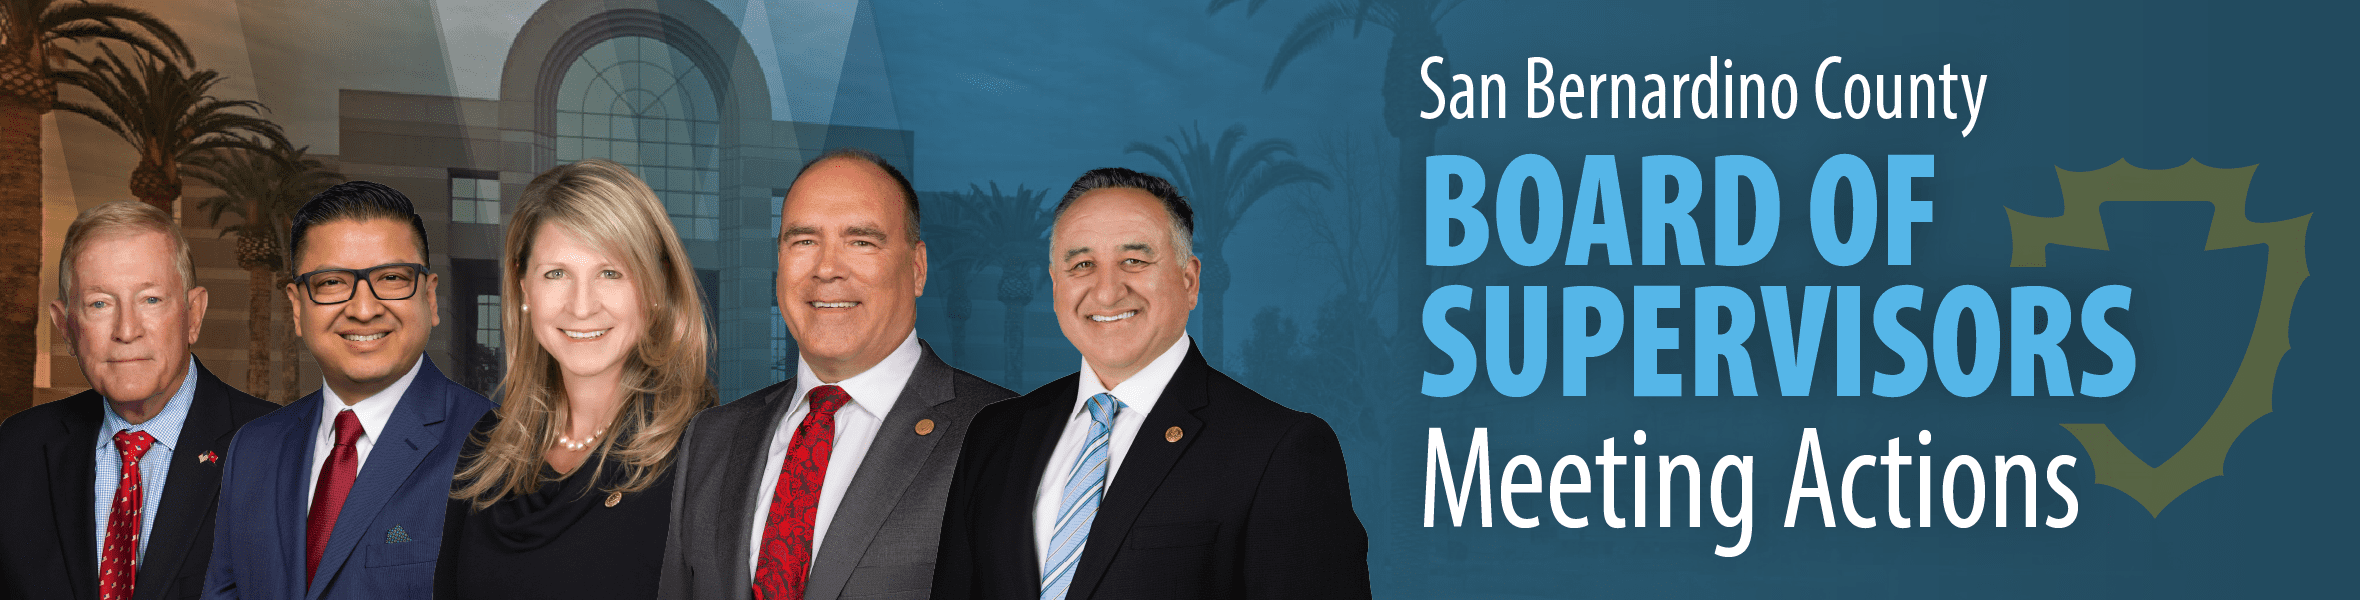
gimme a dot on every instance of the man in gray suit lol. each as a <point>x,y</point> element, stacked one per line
<point>830,484</point>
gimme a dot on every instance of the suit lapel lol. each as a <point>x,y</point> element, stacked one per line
<point>1149,458</point>
<point>742,514</point>
<point>190,490</point>
<point>292,492</point>
<point>73,470</point>
<point>1035,440</point>
<point>893,460</point>
<point>413,432</point>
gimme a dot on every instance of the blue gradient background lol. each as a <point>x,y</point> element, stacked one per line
<point>1034,93</point>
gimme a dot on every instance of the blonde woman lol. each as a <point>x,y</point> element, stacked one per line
<point>565,490</point>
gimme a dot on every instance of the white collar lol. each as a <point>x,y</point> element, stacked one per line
<point>873,390</point>
<point>1140,392</point>
<point>373,411</point>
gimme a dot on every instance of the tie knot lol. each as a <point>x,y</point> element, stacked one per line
<point>348,428</point>
<point>133,444</point>
<point>827,398</point>
<point>1102,408</point>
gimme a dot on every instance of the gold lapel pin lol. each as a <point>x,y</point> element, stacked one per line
<point>925,426</point>
<point>1173,434</point>
<point>613,498</point>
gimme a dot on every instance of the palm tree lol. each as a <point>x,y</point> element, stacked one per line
<point>1222,181</point>
<point>1415,25</point>
<point>1416,29</point>
<point>35,35</point>
<point>1354,241</point>
<point>263,190</point>
<point>168,115</point>
<point>1014,225</point>
<point>954,239</point>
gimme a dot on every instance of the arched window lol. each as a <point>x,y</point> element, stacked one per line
<point>640,102</point>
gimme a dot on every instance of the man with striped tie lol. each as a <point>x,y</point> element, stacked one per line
<point>1148,474</point>
<point>110,494</point>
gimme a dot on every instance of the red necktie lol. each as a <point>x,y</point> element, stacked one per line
<point>328,496</point>
<point>119,568</point>
<point>786,538</point>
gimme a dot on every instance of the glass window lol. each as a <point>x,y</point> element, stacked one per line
<point>487,321</point>
<point>475,200</point>
<point>778,206</point>
<point>640,102</point>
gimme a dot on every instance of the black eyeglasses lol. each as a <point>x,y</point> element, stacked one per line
<point>392,281</point>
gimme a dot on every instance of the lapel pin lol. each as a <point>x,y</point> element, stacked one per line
<point>1173,434</point>
<point>209,457</point>
<point>613,498</point>
<point>925,426</point>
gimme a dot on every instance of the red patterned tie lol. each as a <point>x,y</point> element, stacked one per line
<point>119,568</point>
<point>328,496</point>
<point>786,538</point>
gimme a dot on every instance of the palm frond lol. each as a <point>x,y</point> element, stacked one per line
<point>81,21</point>
<point>1226,176</point>
<point>1272,176</point>
<point>1170,164</point>
<point>104,118</point>
<point>1315,27</point>
<point>261,186</point>
<point>164,111</point>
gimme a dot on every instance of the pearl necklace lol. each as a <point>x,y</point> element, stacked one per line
<point>571,445</point>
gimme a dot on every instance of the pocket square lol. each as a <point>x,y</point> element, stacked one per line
<point>396,535</point>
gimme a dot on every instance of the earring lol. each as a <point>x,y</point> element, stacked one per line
<point>527,307</point>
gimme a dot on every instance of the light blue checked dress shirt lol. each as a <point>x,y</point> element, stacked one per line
<point>1079,505</point>
<point>153,467</point>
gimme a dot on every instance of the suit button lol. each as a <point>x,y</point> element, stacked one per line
<point>1173,434</point>
<point>925,426</point>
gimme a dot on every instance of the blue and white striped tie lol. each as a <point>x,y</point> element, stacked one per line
<point>1083,488</point>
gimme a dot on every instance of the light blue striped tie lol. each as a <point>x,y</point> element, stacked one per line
<point>1083,488</point>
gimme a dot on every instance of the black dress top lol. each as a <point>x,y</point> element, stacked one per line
<point>561,541</point>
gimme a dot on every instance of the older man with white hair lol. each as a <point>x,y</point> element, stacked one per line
<point>110,494</point>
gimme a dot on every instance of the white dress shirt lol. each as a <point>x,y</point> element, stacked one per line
<point>1138,395</point>
<point>873,393</point>
<point>373,412</point>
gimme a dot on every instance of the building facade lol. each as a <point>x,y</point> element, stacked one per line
<point>675,89</point>
<point>675,95</point>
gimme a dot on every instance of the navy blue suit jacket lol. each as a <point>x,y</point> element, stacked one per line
<point>390,529</point>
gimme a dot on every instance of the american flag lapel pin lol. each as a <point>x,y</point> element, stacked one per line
<point>209,457</point>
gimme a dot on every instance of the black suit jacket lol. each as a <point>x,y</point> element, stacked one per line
<point>47,466</point>
<point>1250,502</point>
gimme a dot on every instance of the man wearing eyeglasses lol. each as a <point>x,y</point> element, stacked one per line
<point>341,494</point>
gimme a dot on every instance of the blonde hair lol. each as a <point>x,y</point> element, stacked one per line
<point>118,218</point>
<point>664,382</point>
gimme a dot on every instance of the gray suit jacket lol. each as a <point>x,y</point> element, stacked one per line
<point>881,542</point>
